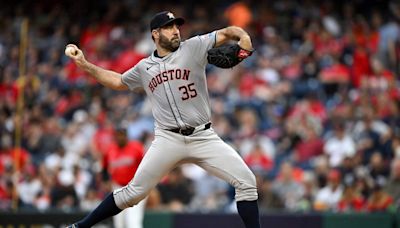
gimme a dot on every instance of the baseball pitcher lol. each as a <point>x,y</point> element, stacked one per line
<point>174,79</point>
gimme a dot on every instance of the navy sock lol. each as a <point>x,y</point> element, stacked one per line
<point>106,209</point>
<point>248,210</point>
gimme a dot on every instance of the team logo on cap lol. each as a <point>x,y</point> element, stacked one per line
<point>170,15</point>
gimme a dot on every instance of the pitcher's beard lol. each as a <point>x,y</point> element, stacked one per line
<point>169,45</point>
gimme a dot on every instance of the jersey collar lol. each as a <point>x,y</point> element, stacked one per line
<point>155,57</point>
<point>160,59</point>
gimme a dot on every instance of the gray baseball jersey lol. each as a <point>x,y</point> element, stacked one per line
<point>176,83</point>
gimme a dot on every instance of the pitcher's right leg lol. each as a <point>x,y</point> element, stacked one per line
<point>165,152</point>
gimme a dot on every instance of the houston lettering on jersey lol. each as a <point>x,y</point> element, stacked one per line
<point>168,75</point>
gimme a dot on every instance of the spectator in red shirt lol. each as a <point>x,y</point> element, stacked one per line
<point>335,76</point>
<point>10,156</point>
<point>310,146</point>
<point>8,88</point>
<point>6,194</point>
<point>352,200</point>
<point>103,138</point>
<point>257,160</point>
<point>361,65</point>
<point>379,200</point>
<point>380,79</point>
<point>121,162</point>
<point>308,110</point>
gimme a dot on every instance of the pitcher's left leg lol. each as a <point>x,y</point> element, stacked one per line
<point>221,160</point>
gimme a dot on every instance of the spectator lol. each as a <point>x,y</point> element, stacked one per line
<point>393,185</point>
<point>43,200</point>
<point>82,181</point>
<point>371,134</point>
<point>310,188</point>
<point>102,138</point>
<point>389,36</point>
<point>328,197</point>
<point>380,79</point>
<point>29,188</point>
<point>352,200</point>
<point>364,183</point>
<point>6,194</point>
<point>334,77</point>
<point>33,142</point>
<point>8,88</point>
<point>90,201</point>
<point>377,166</point>
<point>176,191</point>
<point>339,145</point>
<point>308,148</point>
<point>258,161</point>
<point>288,190</point>
<point>57,160</point>
<point>321,169</point>
<point>348,166</point>
<point>13,158</point>
<point>63,195</point>
<point>121,161</point>
<point>379,201</point>
<point>74,141</point>
<point>269,200</point>
<point>50,139</point>
<point>210,192</point>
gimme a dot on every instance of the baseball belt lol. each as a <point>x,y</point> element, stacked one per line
<point>188,130</point>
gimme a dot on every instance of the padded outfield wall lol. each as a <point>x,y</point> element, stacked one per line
<point>171,220</point>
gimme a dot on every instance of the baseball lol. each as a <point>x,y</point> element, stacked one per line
<point>70,50</point>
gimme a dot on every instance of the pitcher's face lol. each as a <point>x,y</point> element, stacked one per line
<point>169,37</point>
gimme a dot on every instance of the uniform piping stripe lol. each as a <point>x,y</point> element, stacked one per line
<point>169,103</point>
<point>179,112</point>
<point>176,106</point>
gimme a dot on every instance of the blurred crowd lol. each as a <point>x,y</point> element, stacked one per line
<point>314,111</point>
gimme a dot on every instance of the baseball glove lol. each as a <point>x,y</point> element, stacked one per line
<point>227,56</point>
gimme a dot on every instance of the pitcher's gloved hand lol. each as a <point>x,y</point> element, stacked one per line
<point>227,56</point>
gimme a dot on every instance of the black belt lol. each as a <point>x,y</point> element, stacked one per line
<point>188,130</point>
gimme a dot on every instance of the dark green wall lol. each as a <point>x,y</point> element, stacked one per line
<point>358,220</point>
<point>158,220</point>
<point>169,220</point>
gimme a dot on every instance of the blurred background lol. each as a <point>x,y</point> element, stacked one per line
<point>314,111</point>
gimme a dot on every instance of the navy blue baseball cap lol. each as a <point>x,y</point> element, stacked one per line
<point>163,18</point>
